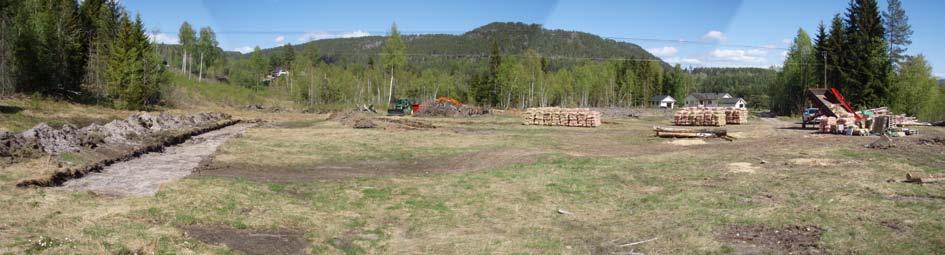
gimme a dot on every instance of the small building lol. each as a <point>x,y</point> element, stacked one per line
<point>663,101</point>
<point>705,99</point>
<point>733,102</point>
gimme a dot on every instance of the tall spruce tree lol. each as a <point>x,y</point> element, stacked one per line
<point>7,9</point>
<point>836,50</point>
<point>867,68</point>
<point>898,31</point>
<point>820,54</point>
<point>47,51</point>
<point>489,94</point>
<point>134,73</point>
<point>100,24</point>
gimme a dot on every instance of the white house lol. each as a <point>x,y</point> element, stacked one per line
<point>663,101</point>
<point>705,99</point>
<point>733,102</point>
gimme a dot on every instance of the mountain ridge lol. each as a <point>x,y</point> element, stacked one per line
<point>514,38</point>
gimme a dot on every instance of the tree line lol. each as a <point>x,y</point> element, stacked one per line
<point>862,54</point>
<point>93,50</point>
<point>500,79</point>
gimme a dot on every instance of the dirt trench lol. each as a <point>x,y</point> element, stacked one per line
<point>144,176</point>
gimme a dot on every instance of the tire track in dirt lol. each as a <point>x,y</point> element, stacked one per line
<point>143,176</point>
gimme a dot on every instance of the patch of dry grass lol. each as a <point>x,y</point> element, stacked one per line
<point>619,184</point>
<point>23,113</point>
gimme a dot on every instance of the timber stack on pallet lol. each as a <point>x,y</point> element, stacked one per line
<point>699,117</point>
<point>554,116</point>
<point>736,116</point>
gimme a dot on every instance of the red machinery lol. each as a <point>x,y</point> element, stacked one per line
<point>825,99</point>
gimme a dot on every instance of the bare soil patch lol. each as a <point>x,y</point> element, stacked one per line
<point>760,239</point>
<point>404,123</point>
<point>686,142</point>
<point>474,161</point>
<point>814,162</point>
<point>146,174</point>
<point>250,242</point>
<point>356,119</point>
<point>742,167</point>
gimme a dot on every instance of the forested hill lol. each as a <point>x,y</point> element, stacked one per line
<point>512,37</point>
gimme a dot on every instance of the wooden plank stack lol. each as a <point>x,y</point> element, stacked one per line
<point>568,117</point>
<point>700,117</point>
<point>736,116</point>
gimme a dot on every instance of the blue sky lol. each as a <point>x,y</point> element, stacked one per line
<point>694,33</point>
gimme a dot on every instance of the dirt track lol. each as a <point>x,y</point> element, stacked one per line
<point>144,176</point>
<point>474,161</point>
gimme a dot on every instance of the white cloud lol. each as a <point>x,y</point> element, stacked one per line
<point>784,53</point>
<point>312,36</point>
<point>280,40</point>
<point>684,61</point>
<point>162,38</point>
<point>664,52</point>
<point>787,42</point>
<point>753,56</point>
<point>244,49</point>
<point>714,35</point>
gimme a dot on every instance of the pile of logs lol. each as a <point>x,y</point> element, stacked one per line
<point>554,116</point>
<point>700,117</point>
<point>691,133</point>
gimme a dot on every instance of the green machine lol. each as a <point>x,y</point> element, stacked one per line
<point>401,107</point>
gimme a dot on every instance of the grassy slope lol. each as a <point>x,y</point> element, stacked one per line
<point>19,114</point>
<point>186,93</point>
<point>625,193</point>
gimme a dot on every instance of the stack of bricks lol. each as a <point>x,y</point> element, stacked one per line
<point>554,116</point>
<point>700,117</point>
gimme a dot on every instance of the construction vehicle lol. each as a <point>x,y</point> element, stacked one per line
<point>401,107</point>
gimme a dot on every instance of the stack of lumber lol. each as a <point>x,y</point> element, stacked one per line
<point>699,117</point>
<point>902,120</point>
<point>736,116</point>
<point>568,117</point>
<point>843,125</point>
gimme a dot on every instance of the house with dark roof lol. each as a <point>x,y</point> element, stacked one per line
<point>733,102</point>
<point>705,99</point>
<point>663,101</point>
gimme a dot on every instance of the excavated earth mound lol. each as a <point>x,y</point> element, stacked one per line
<point>45,139</point>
